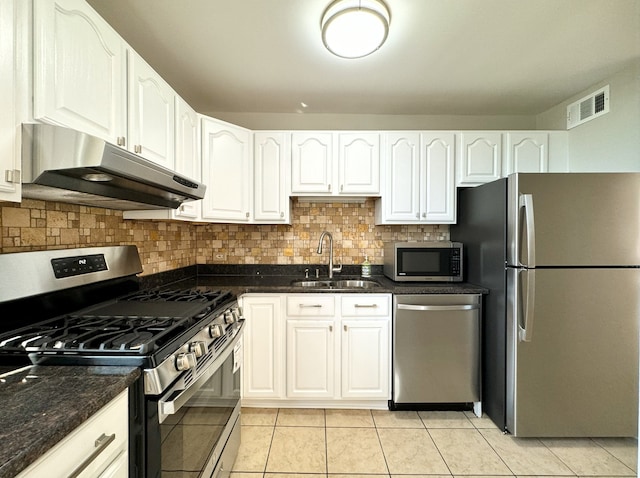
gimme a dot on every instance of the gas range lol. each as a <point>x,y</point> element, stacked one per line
<point>166,331</point>
<point>86,307</point>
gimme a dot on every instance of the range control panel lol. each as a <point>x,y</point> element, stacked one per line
<point>74,266</point>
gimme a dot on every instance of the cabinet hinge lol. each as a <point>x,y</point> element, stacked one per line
<point>12,175</point>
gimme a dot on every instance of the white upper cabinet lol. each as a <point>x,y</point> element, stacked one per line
<point>335,163</point>
<point>79,70</point>
<point>438,193</point>
<point>188,157</point>
<point>359,163</point>
<point>10,163</point>
<point>419,179</point>
<point>151,114</point>
<point>311,163</point>
<point>401,165</point>
<point>479,158</point>
<point>526,152</point>
<point>271,163</point>
<point>227,172</point>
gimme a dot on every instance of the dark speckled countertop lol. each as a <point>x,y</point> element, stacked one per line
<point>278,279</point>
<point>40,405</point>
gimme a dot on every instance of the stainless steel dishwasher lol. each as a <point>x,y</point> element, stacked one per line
<point>436,350</point>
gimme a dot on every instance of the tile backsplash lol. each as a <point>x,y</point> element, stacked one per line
<point>165,245</point>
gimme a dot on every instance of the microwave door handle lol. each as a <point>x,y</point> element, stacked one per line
<point>526,202</point>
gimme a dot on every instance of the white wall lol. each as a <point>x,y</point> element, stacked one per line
<point>610,142</point>
<point>293,121</point>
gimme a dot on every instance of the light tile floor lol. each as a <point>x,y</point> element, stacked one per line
<point>316,443</point>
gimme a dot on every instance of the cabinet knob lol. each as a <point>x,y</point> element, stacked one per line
<point>329,188</point>
<point>247,214</point>
<point>331,328</point>
<point>137,149</point>
<point>121,141</point>
<point>345,328</point>
<point>424,214</point>
<point>341,187</point>
<point>281,214</point>
<point>417,215</point>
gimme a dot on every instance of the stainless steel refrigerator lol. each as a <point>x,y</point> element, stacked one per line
<point>560,254</point>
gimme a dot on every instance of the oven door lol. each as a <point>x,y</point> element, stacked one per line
<point>199,426</point>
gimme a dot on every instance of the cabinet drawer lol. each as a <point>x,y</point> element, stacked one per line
<point>366,305</point>
<point>107,430</point>
<point>316,305</point>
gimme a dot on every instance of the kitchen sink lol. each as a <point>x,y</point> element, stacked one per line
<point>345,284</point>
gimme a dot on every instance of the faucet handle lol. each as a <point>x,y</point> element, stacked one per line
<point>338,269</point>
<point>317,273</point>
<point>306,273</point>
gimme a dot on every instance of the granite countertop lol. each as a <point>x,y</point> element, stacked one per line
<point>43,404</point>
<point>243,284</point>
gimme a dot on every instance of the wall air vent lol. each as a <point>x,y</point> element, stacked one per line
<point>587,108</point>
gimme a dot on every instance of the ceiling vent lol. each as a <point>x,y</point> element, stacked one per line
<point>590,107</point>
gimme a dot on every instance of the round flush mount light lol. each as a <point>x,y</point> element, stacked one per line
<point>355,28</point>
<point>97,177</point>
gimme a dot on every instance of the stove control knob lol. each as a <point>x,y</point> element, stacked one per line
<point>229,318</point>
<point>185,361</point>
<point>216,331</point>
<point>198,348</point>
<point>237,314</point>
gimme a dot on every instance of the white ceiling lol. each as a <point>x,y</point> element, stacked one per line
<point>456,57</point>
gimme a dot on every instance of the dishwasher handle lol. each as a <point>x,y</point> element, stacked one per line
<point>437,307</point>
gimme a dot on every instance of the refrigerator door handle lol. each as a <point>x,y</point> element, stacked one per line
<point>525,332</point>
<point>526,202</point>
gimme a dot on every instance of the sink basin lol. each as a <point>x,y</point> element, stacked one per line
<point>355,284</point>
<point>311,283</point>
<point>336,285</point>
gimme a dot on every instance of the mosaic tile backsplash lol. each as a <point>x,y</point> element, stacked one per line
<point>166,245</point>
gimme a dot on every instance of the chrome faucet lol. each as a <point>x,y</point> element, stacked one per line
<point>319,251</point>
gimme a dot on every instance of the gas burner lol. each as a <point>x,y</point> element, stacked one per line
<point>182,295</point>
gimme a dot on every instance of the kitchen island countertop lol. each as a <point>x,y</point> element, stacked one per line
<point>41,405</point>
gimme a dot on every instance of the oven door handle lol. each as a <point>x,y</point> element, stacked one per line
<point>169,407</point>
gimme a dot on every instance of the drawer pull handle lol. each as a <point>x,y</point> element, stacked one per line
<point>101,444</point>
<point>309,306</point>
<point>365,306</point>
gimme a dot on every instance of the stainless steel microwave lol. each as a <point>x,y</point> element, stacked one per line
<point>439,261</point>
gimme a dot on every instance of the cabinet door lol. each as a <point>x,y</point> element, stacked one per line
<point>402,165</point>
<point>527,153</point>
<point>10,188</point>
<point>359,163</point>
<point>311,157</point>
<point>366,367</point>
<point>79,70</point>
<point>480,157</point>
<point>226,171</point>
<point>271,162</point>
<point>263,367</point>
<point>151,113</point>
<point>438,191</point>
<point>311,356</point>
<point>187,152</point>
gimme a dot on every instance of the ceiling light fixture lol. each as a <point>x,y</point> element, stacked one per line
<point>355,28</point>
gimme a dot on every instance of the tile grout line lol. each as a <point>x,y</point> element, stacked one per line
<point>384,456</point>
<point>435,445</point>
<point>634,473</point>
<point>496,452</point>
<point>273,434</point>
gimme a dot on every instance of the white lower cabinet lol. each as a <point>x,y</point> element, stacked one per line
<point>336,353</point>
<point>106,434</point>
<point>263,343</point>
<point>311,345</point>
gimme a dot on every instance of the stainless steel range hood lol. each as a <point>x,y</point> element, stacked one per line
<point>61,164</point>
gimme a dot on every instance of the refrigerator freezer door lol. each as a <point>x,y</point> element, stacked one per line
<point>578,374</point>
<point>581,219</point>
